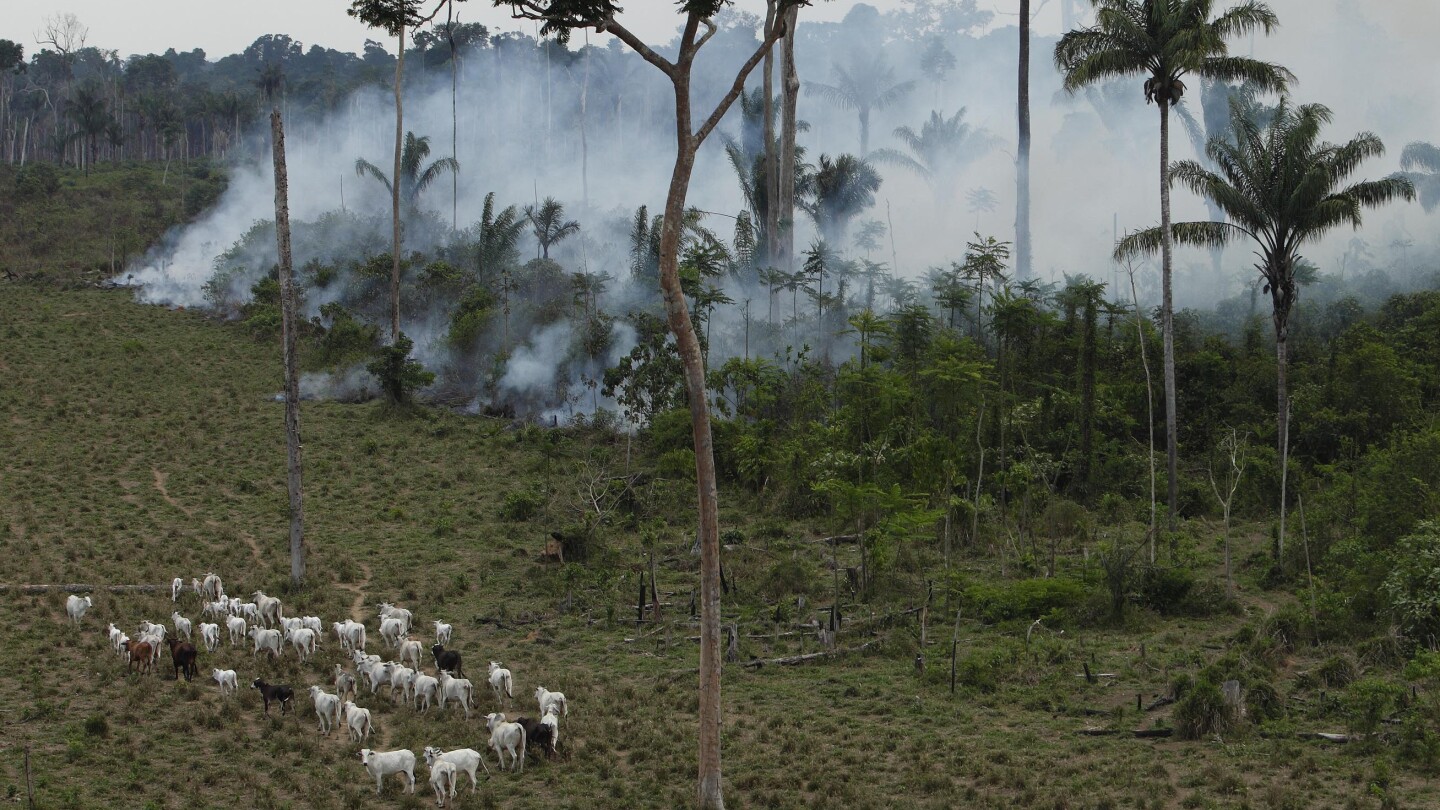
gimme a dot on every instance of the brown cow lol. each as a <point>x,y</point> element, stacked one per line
<point>139,655</point>
<point>182,658</point>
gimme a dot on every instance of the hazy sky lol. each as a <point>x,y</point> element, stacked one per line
<point>220,28</point>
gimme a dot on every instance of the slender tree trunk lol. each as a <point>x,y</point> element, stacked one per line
<point>395,194</point>
<point>1167,323</point>
<point>1023,259</point>
<point>1149,407</point>
<point>864,131</point>
<point>1282,423</point>
<point>772,159</point>
<point>785,257</point>
<point>454,119</point>
<point>288,339</point>
<point>584,135</point>
<point>688,346</point>
<point>1088,361</point>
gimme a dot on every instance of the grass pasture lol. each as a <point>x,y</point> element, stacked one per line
<point>141,444</point>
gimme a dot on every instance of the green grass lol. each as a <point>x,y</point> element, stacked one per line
<point>91,225</point>
<point>142,444</point>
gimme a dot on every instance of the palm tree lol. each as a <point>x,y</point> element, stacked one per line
<point>549,224</point>
<point>1282,187</point>
<point>92,119</point>
<point>413,179</point>
<point>843,188</point>
<point>867,84</point>
<point>941,149</point>
<point>496,236</point>
<point>1421,155</point>
<point>1165,40</point>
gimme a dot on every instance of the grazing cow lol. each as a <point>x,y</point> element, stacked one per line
<point>507,737</point>
<point>279,693</point>
<point>501,683</point>
<point>447,660</point>
<point>182,658</point>
<point>212,587</point>
<point>140,652</point>
<point>227,680</point>
<point>539,735</point>
<point>76,606</point>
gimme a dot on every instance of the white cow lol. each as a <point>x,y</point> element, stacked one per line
<point>75,607</point>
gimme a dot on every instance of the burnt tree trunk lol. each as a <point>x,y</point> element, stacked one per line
<point>1023,257</point>
<point>785,256</point>
<point>395,193</point>
<point>288,340</point>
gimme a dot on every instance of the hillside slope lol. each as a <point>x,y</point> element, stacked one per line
<point>142,444</point>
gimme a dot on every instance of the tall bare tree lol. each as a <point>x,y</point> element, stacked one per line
<point>772,153</point>
<point>287,339</point>
<point>559,18</point>
<point>789,125</point>
<point>1023,257</point>
<point>393,16</point>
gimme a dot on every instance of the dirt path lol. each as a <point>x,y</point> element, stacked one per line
<point>160,479</point>
<point>357,608</point>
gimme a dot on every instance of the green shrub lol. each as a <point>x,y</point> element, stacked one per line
<point>1410,588</point>
<point>1337,671</point>
<point>97,726</point>
<point>1203,712</point>
<point>471,316</point>
<point>1368,703</point>
<point>347,340</point>
<point>980,670</point>
<point>36,180</point>
<point>201,196</point>
<point>520,506</point>
<point>1165,590</point>
<point>786,577</point>
<point>678,464</point>
<point>1023,599</point>
<point>399,374</point>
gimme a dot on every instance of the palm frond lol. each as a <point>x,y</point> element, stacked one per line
<point>1245,18</point>
<point>832,94</point>
<point>1420,155</point>
<point>892,94</point>
<point>1195,234</point>
<point>365,168</point>
<point>1267,76</point>
<point>432,173</point>
<point>895,158</point>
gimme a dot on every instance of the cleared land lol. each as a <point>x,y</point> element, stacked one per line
<point>141,444</point>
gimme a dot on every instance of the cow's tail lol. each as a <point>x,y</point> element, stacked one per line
<point>522,749</point>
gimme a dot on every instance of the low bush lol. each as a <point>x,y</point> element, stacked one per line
<point>1023,599</point>
<point>1203,712</point>
<point>521,505</point>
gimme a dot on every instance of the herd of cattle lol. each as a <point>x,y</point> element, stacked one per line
<point>262,621</point>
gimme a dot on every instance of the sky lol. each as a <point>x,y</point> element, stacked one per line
<point>220,28</point>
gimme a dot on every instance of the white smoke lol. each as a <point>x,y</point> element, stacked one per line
<point>1095,165</point>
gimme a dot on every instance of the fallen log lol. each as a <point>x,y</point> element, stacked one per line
<point>791,660</point>
<point>77,587</point>
<point>1165,700</point>
<point>1321,735</point>
<point>1139,733</point>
